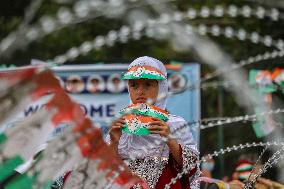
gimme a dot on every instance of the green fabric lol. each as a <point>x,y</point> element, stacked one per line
<point>262,89</point>
<point>142,76</point>
<point>47,185</point>
<point>280,84</point>
<point>22,181</point>
<point>257,130</point>
<point>262,126</point>
<point>3,138</point>
<point>147,113</point>
<point>141,131</point>
<point>7,168</point>
<point>257,126</point>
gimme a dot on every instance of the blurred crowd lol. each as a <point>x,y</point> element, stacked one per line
<point>244,172</point>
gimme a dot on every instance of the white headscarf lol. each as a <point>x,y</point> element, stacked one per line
<point>163,84</point>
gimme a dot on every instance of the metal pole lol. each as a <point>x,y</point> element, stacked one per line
<point>220,128</point>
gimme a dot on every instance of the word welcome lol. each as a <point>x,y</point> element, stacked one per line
<point>103,110</point>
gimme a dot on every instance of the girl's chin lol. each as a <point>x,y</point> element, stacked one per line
<point>140,101</point>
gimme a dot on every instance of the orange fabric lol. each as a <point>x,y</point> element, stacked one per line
<point>276,72</point>
<point>153,107</point>
<point>143,119</point>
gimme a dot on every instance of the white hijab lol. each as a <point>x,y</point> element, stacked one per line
<point>145,146</point>
<point>163,84</point>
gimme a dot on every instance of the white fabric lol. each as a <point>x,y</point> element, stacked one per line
<point>25,166</point>
<point>132,146</point>
<point>163,84</point>
<point>135,146</point>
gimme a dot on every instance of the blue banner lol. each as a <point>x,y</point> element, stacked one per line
<point>101,93</point>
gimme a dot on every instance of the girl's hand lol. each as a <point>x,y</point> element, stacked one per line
<point>159,127</point>
<point>115,130</point>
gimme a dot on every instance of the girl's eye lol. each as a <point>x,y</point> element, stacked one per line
<point>149,84</point>
<point>133,85</point>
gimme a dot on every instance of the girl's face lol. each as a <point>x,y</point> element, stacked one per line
<point>142,90</point>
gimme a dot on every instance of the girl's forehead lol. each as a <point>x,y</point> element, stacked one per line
<point>142,80</point>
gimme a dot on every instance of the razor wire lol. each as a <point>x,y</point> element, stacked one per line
<point>257,161</point>
<point>82,10</point>
<point>112,36</point>
<point>135,32</point>
<point>227,150</point>
<point>274,159</point>
<point>252,117</point>
<point>241,147</point>
<point>65,17</point>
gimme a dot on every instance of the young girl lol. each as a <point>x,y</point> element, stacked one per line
<point>156,162</point>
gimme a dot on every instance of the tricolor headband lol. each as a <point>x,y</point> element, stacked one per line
<point>244,167</point>
<point>144,72</point>
<point>244,175</point>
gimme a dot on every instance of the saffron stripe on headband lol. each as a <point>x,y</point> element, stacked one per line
<point>244,167</point>
<point>143,72</point>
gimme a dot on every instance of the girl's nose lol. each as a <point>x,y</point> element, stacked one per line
<point>140,89</point>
